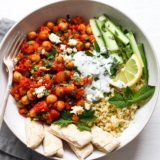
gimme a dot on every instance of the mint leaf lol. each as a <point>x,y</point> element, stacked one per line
<point>118,101</point>
<point>83,127</point>
<point>128,94</point>
<point>144,93</point>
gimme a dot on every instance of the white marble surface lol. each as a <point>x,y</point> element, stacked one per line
<point>147,15</point>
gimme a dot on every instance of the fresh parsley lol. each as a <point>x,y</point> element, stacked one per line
<point>86,117</point>
<point>51,54</point>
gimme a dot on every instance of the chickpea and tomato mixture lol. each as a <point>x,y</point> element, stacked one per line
<point>44,79</point>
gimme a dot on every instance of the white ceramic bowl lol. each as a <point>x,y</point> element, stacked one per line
<point>86,9</point>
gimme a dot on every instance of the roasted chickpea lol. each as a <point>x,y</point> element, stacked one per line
<point>77,20</point>
<point>25,100</point>
<point>60,77</point>
<point>87,45</point>
<point>31,35</point>
<point>59,91</point>
<point>84,37</point>
<point>70,87</point>
<point>17,97</point>
<point>88,29</point>
<point>67,33</point>
<point>22,91</point>
<point>82,28</point>
<point>20,104</point>
<point>59,59</point>
<point>17,77</point>
<point>50,25</point>
<point>32,112</point>
<point>63,26</point>
<point>43,35</point>
<point>68,64</point>
<point>60,20</point>
<point>51,98</point>
<point>75,118</point>
<point>91,38</point>
<point>80,102</point>
<point>47,76</point>
<point>55,28</point>
<point>30,94</point>
<point>35,57</point>
<point>80,45</point>
<point>60,105</point>
<point>47,45</point>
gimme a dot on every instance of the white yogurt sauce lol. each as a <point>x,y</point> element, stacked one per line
<point>99,67</point>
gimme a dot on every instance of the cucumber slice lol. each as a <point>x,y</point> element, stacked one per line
<point>145,69</point>
<point>98,36</point>
<point>108,37</point>
<point>134,46</point>
<point>114,29</point>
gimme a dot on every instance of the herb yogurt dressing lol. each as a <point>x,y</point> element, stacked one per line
<point>99,67</point>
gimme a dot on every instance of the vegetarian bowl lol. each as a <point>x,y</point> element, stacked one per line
<point>120,29</point>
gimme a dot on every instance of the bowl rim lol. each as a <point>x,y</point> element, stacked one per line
<point>156,94</point>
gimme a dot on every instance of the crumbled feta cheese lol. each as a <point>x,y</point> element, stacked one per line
<point>62,47</point>
<point>87,106</point>
<point>43,52</point>
<point>77,110</point>
<point>99,95</point>
<point>40,91</point>
<point>69,50</point>
<point>44,68</point>
<point>120,84</point>
<point>72,42</point>
<point>54,38</point>
<point>74,49</point>
<point>89,97</point>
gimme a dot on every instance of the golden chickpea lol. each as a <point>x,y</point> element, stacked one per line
<point>51,98</point>
<point>75,118</point>
<point>59,59</point>
<point>20,104</point>
<point>22,91</point>
<point>17,76</point>
<point>87,45</point>
<point>43,35</point>
<point>50,25</point>
<point>25,100</point>
<point>60,20</point>
<point>31,35</point>
<point>82,28</point>
<point>60,105</point>
<point>32,112</point>
<point>68,64</point>
<point>88,29</point>
<point>80,45</point>
<point>35,57</point>
<point>59,91</point>
<point>80,102</point>
<point>47,76</point>
<point>60,77</point>
<point>47,45</point>
<point>30,94</point>
<point>63,26</point>
<point>17,97</point>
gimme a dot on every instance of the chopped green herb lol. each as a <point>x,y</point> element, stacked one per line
<point>96,79</point>
<point>93,88</point>
<point>76,78</point>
